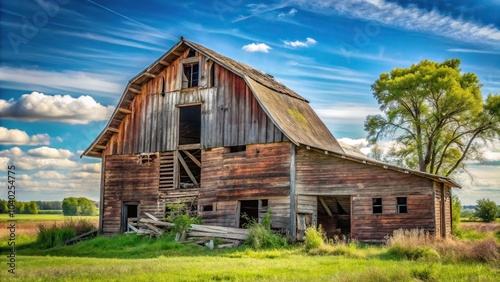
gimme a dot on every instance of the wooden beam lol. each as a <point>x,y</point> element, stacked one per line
<point>154,228</point>
<point>325,206</point>
<point>197,162</point>
<point>176,53</point>
<point>151,216</point>
<point>133,90</point>
<point>164,63</point>
<point>189,147</point>
<point>112,129</point>
<point>125,111</point>
<point>149,74</point>
<point>191,176</point>
<point>100,147</point>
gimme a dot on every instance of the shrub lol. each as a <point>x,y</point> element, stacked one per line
<point>315,238</point>
<point>487,210</point>
<point>53,236</point>
<point>56,235</point>
<point>260,235</point>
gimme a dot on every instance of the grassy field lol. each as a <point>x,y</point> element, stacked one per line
<point>41,217</point>
<point>133,258</point>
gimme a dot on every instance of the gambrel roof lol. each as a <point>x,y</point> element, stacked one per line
<point>289,111</point>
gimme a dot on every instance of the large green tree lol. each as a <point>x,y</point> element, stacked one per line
<point>437,115</point>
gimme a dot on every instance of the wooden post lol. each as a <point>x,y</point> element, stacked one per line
<point>293,216</point>
<point>101,196</point>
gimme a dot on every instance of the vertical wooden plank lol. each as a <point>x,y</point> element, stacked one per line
<point>248,114</point>
<point>254,135</point>
<point>269,130</point>
<point>154,121</point>
<point>262,125</point>
<point>241,110</point>
<point>219,117</point>
<point>143,124</point>
<point>227,109</point>
<point>293,229</point>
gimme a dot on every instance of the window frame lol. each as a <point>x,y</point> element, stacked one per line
<point>377,206</point>
<point>190,62</point>
<point>404,205</point>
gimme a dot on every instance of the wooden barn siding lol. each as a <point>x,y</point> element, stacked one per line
<point>230,114</point>
<point>321,174</point>
<point>126,180</point>
<point>308,205</point>
<point>262,172</point>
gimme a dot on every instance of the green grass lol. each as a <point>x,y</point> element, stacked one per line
<point>41,217</point>
<point>255,267</point>
<point>49,211</point>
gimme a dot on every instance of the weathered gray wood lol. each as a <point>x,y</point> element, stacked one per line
<point>186,168</point>
<point>197,162</point>
<point>151,216</point>
<point>154,228</point>
<point>293,214</point>
<point>325,206</point>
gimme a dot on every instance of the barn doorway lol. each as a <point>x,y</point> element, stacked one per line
<point>334,215</point>
<point>190,125</point>
<point>249,210</point>
<point>130,213</point>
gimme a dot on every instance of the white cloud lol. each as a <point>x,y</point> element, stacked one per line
<point>309,41</point>
<point>38,106</point>
<point>12,152</point>
<point>344,113</point>
<point>49,174</point>
<point>94,168</point>
<point>46,152</point>
<point>459,50</point>
<point>290,13</point>
<point>66,80</point>
<point>257,47</point>
<point>19,137</point>
<point>409,18</point>
<point>33,163</point>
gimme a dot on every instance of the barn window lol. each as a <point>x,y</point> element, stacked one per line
<point>402,205</point>
<point>236,149</point>
<point>191,53</point>
<point>207,208</point>
<point>191,75</point>
<point>377,205</point>
<point>212,75</point>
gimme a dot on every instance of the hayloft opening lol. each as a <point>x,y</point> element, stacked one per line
<point>190,125</point>
<point>130,214</point>
<point>334,214</point>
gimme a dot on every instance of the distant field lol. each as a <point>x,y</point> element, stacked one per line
<point>42,217</point>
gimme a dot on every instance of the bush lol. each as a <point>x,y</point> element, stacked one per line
<point>56,235</point>
<point>53,236</point>
<point>315,238</point>
<point>487,210</point>
<point>260,235</point>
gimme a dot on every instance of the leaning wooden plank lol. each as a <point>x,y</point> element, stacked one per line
<point>157,223</point>
<point>222,246</point>
<point>196,161</point>
<point>81,237</point>
<point>151,216</point>
<point>217,235</point>
<point>130,226</point>
<point>186,168</point>
<point>154,228</point>
<point>325,206</point>
<point>210,228</point>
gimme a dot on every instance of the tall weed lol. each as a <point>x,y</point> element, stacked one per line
<point>260,235</point>
<point>56,235</point>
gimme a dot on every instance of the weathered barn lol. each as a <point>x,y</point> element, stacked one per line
<point>203,128</point>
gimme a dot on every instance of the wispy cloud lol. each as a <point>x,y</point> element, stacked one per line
<point>57,108</point>
<point>409,18</point>
<point>308,42</point>
<point>257,47</point>
<point>458,50</point>
<point>260,10</point>
<point>290,13</point>
<point>64,80</point>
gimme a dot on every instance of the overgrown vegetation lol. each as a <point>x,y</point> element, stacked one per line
<point>417,244</point>
<point>260,235</point>
<point>56,235</point>
<point>456,213</point>
<point>178,213</point>
<point>317,243</point>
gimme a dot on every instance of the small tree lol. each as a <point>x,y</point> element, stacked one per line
<point>486,210</point>
<point>456,213</point>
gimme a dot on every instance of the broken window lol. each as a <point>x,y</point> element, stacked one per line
<point>237,149</point>
<point>377,205</point>
<point>189,124</point>
<point>212,75</point>
<point>402,205</point>
<point>207,208</point>
<point>190,75</point>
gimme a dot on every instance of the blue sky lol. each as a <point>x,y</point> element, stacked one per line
<point>65,63</point>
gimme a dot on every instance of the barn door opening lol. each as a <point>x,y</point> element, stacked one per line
<point>190,125</point>
<point>249,210</point>
<point>334,215</point>
<point>130,215</point>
